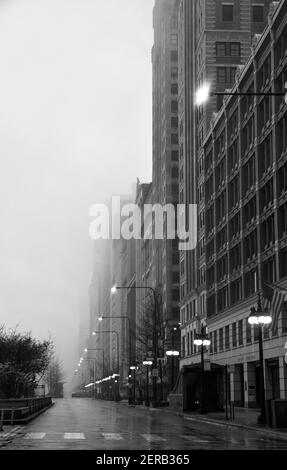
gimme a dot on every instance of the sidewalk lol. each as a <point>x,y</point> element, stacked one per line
<point>244,418</point>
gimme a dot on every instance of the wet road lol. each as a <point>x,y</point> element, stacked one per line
<point>83,424</point>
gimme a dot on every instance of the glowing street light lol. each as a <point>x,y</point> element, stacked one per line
<point>114,289</point>
<point>202,94</point>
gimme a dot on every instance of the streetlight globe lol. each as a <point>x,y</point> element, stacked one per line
<point>94,333</point>
<point>265,319</point>
<point>202,94</point>
<point>114,289</point>
<point>198,342</point>
<point>147,363</point>
<point>253,320</point>
<point>86,350</point>
<point>206,342</point>
<point>100,318</point>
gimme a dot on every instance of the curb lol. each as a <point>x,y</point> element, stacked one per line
<point>216,422</point>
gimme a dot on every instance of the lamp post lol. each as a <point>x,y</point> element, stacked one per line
<point>203,341</point>
<point>147,364</point>
<point>172,353</point>
<point>155,336</point>
<point>260,318</point>
<point>118,351</point>
<point>134,369</point>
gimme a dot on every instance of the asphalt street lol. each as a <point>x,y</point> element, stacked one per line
<point>84,424</point>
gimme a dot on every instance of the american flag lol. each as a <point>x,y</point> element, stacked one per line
<point>273,299</point>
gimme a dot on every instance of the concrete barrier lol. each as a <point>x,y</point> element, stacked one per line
<point>23,410</point>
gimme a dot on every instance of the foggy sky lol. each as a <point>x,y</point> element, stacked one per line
<point>75,128</point>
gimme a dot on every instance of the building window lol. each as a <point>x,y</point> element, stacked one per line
<point>235,291</point>
<point>240,333</point>
<point>174,139</point>
<point>221,75</point>
<point>174,155</point>
<point>284,317</point>
<point>215,341</point>
<point>227,339</point>
<point>250,283</point>
<point>248,332</point>
<point>174,39</point>
<point>235,49</point>
<point>257,13</point>
<point>174,122</point>
<point>221,49</point>
<point>227,12</point>
<point>174,89</point>
<point>174,73</point>
<point>235,258</point>
<point>234,337</point>
<point>267,232</point>
<point>174,56</point>
<point>221,340</point>
<point>174,106</point>
<point>222,299</point>
<point>283,263</point>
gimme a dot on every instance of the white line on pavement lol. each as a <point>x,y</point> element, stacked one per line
<point>194,439</point>
<point>153,437</point>
<point>74,435</point>
<point>35,435</point>
<point>112,436</point>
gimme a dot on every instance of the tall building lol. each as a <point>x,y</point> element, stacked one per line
<point>165,156</point>
<point>214,40</point>
<point>242,169</point>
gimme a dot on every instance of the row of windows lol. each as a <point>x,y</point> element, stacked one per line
<point>244,286</point>
<point>228,14</point>
<point>228,49</point>
<point>232,190</point>
<point>232,336</point>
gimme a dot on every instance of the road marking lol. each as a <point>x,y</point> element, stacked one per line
<point>11,433</point>
<point>74,435</point>
<point>205,421</point>
<point>153,437</point>
<point>35,435</point>
<point>112,436</point>
<point>195,439</point>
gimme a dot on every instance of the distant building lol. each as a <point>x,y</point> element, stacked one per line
<point>165,269</point>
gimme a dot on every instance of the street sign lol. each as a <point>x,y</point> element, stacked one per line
<point>155,372</point>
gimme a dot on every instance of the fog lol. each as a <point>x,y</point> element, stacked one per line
<point>75,128</point>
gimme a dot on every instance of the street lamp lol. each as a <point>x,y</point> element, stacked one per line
<point>260,318</point>
<point>147,364</point>
<point>202,340</point>
<point>204,92</point>
<point>155,336</point>
<point>172,353</point>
